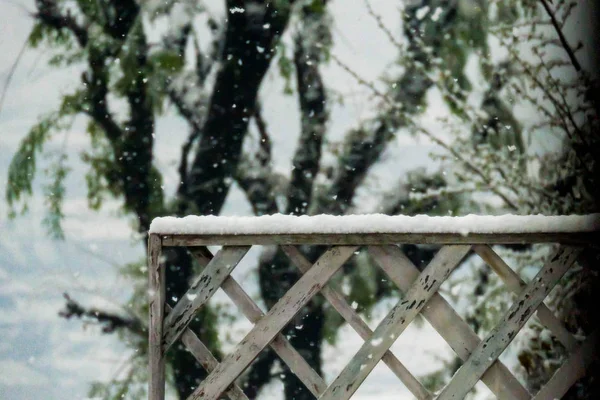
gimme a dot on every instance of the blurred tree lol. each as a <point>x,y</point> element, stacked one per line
<point>124,86</point>
<point>507,165</point>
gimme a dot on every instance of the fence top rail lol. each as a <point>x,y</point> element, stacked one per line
<point>376,229</point>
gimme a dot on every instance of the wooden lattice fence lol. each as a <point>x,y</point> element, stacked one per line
<point>420,296</point>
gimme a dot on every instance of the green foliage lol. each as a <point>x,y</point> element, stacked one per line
<point>507,12</point>
<point>37,34</point>
<point>286,67</point>
<point>130,66</point>
<point>66,52</point>
<point>102,176</point>
<point>42,35</point>
<point>166,61</point>
<point>363,282</point>
<point>359,282</point>
<point>54,193</point>
<point>283,6</point>
<point>66,59</point>
<point>333,319</point>
<point>162,66</point>
<point>156,200</point>
<point>72,104</point>
<point>431,194</point>
<point>448,34</point>
<point>22,168</point>
<point>317,6</point>
<point>92,9</point>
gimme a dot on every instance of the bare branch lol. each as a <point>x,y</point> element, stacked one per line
<point>563,40</point>
<point>109,321</point>
<point>467,163</point>
<point>381,25</point>
<point>364,145</point>
<point>11,72</point>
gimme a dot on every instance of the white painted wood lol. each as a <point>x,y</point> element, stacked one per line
<point>442,317</point>
<point>156,291</point>
<point>272,323</point>
<point>499,338</point>
<point>573,369</point>
<point>360,326</point>
<point>284,349</point>
<point>514,282</point>
<point>206,358</point>
<point>395,322</point>
<point>201,290</point>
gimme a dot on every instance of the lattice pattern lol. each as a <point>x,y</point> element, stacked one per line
<point>420,296</point>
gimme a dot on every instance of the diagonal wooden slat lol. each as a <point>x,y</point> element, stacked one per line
<point>442,317</point>
<point>499,338</point>
<point>206,358</point>
<point>514,282</point>
<point>273,322</point>
<point>201,290</point>
<point>572,370</point>
<point>395,322</point>
<point>360,326</point>
<point>280,344</point>
<point>156,289</point>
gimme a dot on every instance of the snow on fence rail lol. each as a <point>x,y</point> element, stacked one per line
<point>380,235</point>
<point>375,229</point>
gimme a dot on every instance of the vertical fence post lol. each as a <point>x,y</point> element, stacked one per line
<point>156,292</point>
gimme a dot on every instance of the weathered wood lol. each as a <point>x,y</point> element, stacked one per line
<point>156,292</point>
<point>360,326</point>
<point>514,282</point>
<point>272,323</point>
<point>575,238</point>
<point>572,370</point>
<point>206,358</point>
<point>500,337</point>
<point>201,291</point>
<point>481,358</point>
<point>284,349</point>
<point>442,317</point>
<point>395,322</point>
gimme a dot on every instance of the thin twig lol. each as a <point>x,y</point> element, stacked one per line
<point>561,36</point>
<point>469,165</point>
<point>430,135</point>
<point>11,73</point>
<point>110,321</point>
<point>382,26</point>
<point>358,78</point>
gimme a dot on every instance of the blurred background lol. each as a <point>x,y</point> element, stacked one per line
<point>113,112</point>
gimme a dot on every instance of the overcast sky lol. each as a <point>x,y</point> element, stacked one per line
<point>45,357</point>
